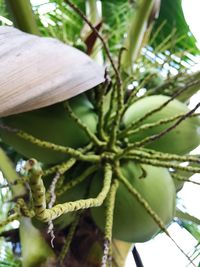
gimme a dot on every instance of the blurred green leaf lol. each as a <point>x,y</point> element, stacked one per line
<point>187,217</point>
<point>171,12</point>
<point>192,228</point>
<point>7,257</point>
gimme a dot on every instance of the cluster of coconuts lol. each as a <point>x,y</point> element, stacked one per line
<point>132,223</point>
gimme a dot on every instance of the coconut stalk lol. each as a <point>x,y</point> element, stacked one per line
<point>9,172</point>
<point>23,16</point>
<point>35,251</point>
<point>137,31</point>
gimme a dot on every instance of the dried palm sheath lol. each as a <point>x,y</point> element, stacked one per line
<point>36,71</point>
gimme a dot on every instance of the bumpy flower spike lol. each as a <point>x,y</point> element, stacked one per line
<point>39,200</point>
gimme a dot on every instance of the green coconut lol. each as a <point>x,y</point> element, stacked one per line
<point>132,223</point>
<point>51,124</point>
<point>181,140</point>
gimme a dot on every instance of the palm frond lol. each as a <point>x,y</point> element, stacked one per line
<point>55,19</point>
<point>171,12</point>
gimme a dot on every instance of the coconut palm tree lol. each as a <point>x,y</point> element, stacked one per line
<point>71,126</point>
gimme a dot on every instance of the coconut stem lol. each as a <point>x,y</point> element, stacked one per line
<point>61,168</point>
<point>74,153</point>
<point>152,154</point>
<point>115,126</point>
<point>159,163</point>
<point>7,168</point>
<point>112,102</point>
<point>101,109</point>
<point>110,205</point>
<point>23,208</point>
<point>66,150</point>
<point>117,117</point>
<point>68,240</point>
<point>23,16</point>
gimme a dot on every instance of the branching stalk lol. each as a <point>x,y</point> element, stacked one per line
<point>61,168</point>
<point>38,194</point>
<point>68,240</point>
<point>148,114</point>
<point>89,133</point>
<point>78,154</point>
<point>101,110</point>
<point>151,154</point>
<point>167,164</point>
<point>110,205</point>
<point>148,126</point>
